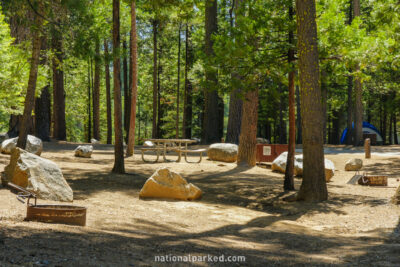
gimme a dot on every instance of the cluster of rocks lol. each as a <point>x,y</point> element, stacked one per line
<point>279,165</point>
<point>38,175</point>
<point>28,170</point>
<point>33,145</point>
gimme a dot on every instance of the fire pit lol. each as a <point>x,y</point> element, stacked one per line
<point>66,214</point>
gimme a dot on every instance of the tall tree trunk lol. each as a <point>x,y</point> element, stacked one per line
<point>179,82</point>
<point>187,105</point>
<point>96,94</point>
<point>235,102</point>
<point>119,166</point>
<point>133,82</point>
<point>58,87</point>
<point>127,93</point>
<point>159,110</point>
<point>42,115</point>
<point>89,128</point>
<point>212,110</point>
<point>248,133</point>
<point>155,87</point>
<point>30,91</point>
<point>108,93</point>
<point>350,131</point>
<point>313,187</point>
<point>288,183</point>
<point>358,118</point>
<point>298,120</point>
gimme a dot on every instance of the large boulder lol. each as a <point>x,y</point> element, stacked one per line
<point>168,184</point>
<point>33,145</point>
<point>38,175</point>
<point>353,165</point>
<point>84,151</point>
<point>223,152</point>
<point>396,197</point>
<point>279,165</point>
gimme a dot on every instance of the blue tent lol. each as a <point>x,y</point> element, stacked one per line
<point>367,129</point>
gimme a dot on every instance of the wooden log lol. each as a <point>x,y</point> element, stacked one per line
<point>373,180</point>
<point>367,148</point>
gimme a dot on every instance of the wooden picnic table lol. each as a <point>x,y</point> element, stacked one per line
<point>177,145</point>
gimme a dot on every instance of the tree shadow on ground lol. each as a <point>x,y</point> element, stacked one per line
<point>278,244</point>
<point>391,168</point>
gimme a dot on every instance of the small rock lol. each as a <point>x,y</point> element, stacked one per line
<point>261,140</point>
<point>148,144</point>
<point>223,152</point>
<point>84,151</point>
<point>353,165</point>
<point>168,184</point>
<point>94,141</point>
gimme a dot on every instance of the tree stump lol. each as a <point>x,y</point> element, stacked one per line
<point>367,148</point>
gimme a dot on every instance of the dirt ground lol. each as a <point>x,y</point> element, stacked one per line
<point>240,214</point>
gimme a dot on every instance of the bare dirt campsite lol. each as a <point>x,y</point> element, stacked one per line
<point>241,213</point>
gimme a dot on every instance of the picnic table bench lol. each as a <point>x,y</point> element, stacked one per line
<point>162,146</point>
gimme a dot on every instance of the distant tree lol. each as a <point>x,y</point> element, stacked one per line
<point>33,74</point>
<point>212,121</point>
<point>358,135</point>
<point>96,93</point>
<point>108,93</point>
<point>119,166</point>
<point>313,187</point>
<point>133,45</point>
<point>288,183</point>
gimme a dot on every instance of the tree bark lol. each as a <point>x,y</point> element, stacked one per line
<point>155,87</point>
<point>187,105</point>
<point>235,102</point>
<point>248,133</point>
<point>30,91</point>
<point>133,82</point>
<point>313,187</point>
<point>127,93</point>
<point>96,94</point>
<point>212,110</point>
<point>42,115</point>
<point>288,183</point>
<point>108,93</point>
<point>119,166</point>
